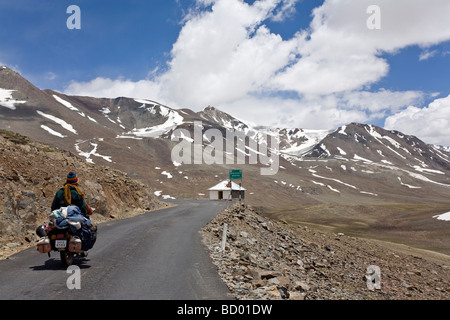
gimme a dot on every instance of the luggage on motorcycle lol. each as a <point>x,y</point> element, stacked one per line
<point>75,218</point>
<point>44,245</point>
<point>79,226</point>
<point>68,217</point>
<point>58,217</point>
<point>88,238</point>
<point>75,245</point>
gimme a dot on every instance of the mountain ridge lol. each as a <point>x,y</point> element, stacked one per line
<point>100,129</point>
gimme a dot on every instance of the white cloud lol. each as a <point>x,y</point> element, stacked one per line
<point>430,124</point>
<point>221,55</point>
<point>286,9</point>
<point>427,55</point>
<point>226,56</point>
<point>382,100</point>
<point>107,88</point>
<point>314,113</point>
<point>322,111</point>
<point>343,54</point>
<point>50,76</point>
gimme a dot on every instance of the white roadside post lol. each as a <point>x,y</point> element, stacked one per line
<point>224,236</point>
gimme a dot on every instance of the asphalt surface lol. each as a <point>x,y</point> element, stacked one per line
<point>155,256</point>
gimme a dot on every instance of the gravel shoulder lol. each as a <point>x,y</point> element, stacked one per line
<point>266,259</point>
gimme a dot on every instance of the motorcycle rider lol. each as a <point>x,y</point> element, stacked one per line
<point>71,194</point>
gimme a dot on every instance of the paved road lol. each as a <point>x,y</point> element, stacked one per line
<point>158,255</point>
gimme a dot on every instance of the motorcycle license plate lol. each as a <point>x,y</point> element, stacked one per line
<point>60,244</point>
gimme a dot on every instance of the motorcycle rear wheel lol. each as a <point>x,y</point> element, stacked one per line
<point>66,258</point>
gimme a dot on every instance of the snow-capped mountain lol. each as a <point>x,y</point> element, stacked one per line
<point>137,136</point>
<point>372,144</point>
<point>442,148</point>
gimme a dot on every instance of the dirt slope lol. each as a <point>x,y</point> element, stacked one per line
<point>30,175</point>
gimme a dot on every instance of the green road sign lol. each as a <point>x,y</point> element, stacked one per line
<point>236,174</point>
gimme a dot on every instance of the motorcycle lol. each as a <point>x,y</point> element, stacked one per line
<point>68,233</point>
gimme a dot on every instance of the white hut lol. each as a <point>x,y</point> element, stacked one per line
<point>223,189</point>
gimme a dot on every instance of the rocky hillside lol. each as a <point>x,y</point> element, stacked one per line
<point>268,259</point>
<point>30,175</point>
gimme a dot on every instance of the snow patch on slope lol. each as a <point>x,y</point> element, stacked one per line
<point>443,217</point>
<point>53,132</point>
<point>91,153</point>
<point>310,137</point>
<point>174,119</point>
<point>7,101</point>
<point>59,121</point>
<point>68,105</point>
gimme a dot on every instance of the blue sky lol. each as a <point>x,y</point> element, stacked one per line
<point>273,62</point>
<point>117,38</point>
